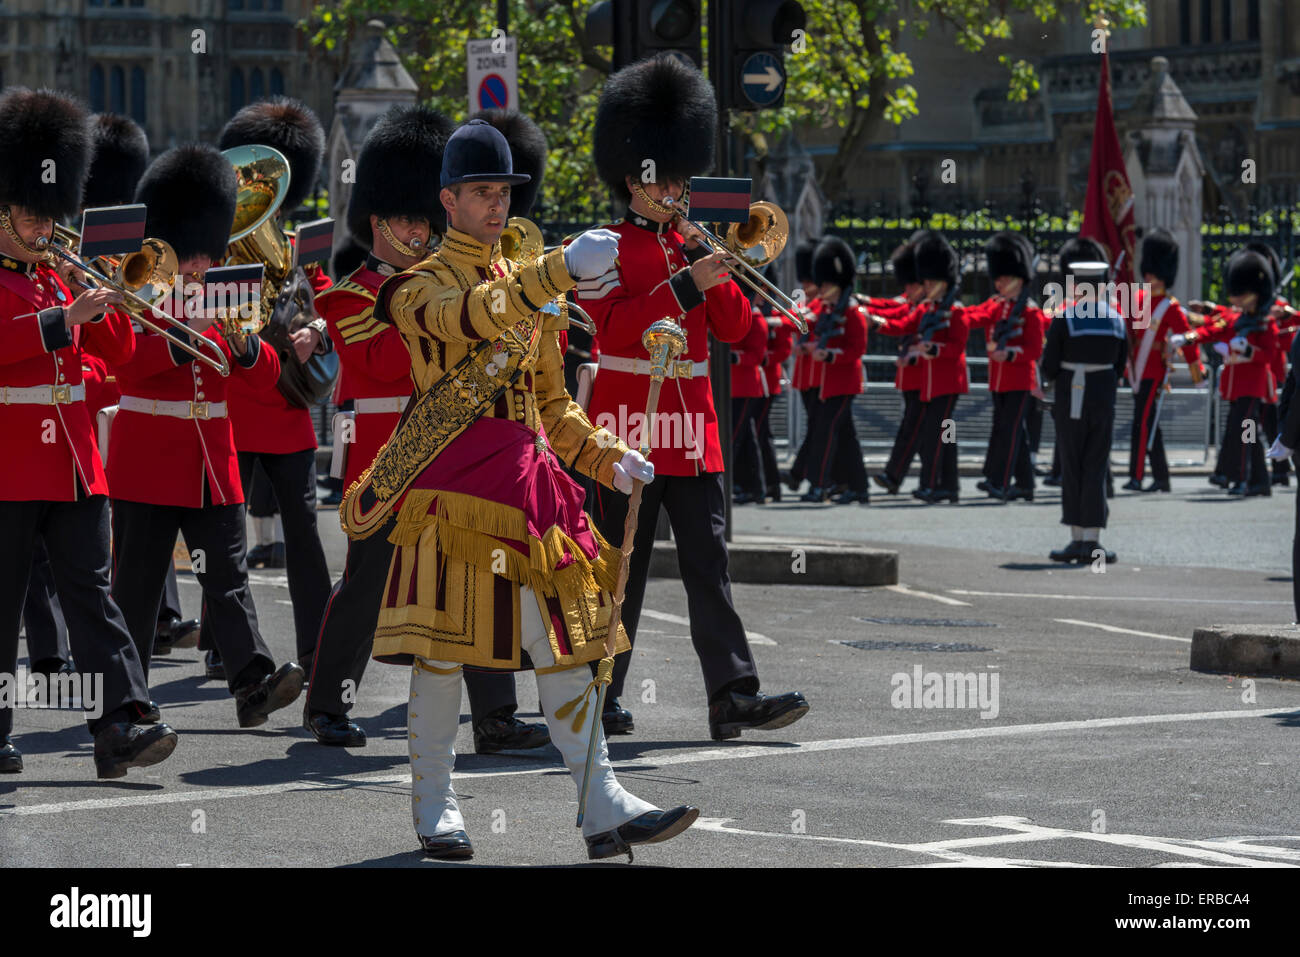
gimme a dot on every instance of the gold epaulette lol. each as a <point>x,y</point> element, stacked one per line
<point>347,285</point>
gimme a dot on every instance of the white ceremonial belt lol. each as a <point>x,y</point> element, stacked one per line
<point>43,394</point>
<point>176,410</point>
<point>679,369</point>
<point>1079,382</point>
<point>387,403</point>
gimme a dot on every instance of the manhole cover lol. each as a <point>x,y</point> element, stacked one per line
<point>912,646</point>
<point>931,622</point>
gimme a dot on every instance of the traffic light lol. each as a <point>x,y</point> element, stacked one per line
<point>638,29</point>
<point>747,41</point>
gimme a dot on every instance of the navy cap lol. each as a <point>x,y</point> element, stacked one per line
<point>478,153</point>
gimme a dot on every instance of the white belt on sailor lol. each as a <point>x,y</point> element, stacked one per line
<point>172,409</point>
<point>42,394</point>
<point>679,369</point>
<point>1079,382</point>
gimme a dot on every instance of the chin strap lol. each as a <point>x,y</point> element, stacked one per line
<point>17,240</point>
<point>659,209</point>
<point>419,252</point>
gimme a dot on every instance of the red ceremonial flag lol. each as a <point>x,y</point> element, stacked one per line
<point>1108,207</point>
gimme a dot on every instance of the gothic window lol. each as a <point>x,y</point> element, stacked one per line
<point>117,90</point>
<point>235,4</point>
<point>1252,20</point>
<point>255,4</point>
<point>138,111</point>
<point>1225,13</point>
<point>255,89</point>
<point>277,81</point>
<point>97,101</point>
<point>1207,22</point>
<point>236,90</point>
<point>1185,22</point>
<point>275,5</point>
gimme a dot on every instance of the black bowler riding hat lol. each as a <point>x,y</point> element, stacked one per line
<point>479,153</point>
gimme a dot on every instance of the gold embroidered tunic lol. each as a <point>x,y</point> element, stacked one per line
<point>494,510</point>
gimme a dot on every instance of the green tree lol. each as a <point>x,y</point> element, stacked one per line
<point>848,72</point>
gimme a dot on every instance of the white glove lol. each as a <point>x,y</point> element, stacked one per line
<point>1221,348</point>
<point>1238,344</point>
<point>632,467</point>
<point>591,254</point>
<point>1278,451</point>
<point>1177,340</point>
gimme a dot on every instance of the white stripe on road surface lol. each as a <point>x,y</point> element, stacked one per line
<point>910,592</point>
<point>1181,601</point>
<point>754,637</point>
<point>1120,631</point>
<point>775,749</point>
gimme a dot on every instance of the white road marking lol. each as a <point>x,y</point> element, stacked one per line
<point>776,749</point>
<point>1120,631</point>
<point>754,637</point>
<point>912,593</point>
<point>1181,601</point>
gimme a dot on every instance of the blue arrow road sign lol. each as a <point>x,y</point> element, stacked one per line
<point>763,79</point>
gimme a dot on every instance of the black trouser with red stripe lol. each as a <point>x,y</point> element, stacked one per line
<point>1144,421</point>
<point>746,460</point>
<point>939,457</point>
<point>812,404</point>
<point>906,439</point>
<point>1008,453</point>
<point>348,627</point>
<point>767,447</point>
<point>1241,460</point>
<point>835,443</point>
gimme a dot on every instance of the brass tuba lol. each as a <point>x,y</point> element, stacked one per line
<point>255,237</point>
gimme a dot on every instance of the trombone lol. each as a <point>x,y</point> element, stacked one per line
<point>755,243</point>
<point>154,264</point>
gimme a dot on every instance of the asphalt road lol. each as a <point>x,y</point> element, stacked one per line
<point>1098,747</point>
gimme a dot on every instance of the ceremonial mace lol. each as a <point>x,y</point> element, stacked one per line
<point>665,341</point>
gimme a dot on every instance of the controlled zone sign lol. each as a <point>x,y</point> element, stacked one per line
<point>492,69</point>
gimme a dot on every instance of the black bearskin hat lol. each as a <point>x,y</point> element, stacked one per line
<point>1081,249</point>
<point>190,192</point>
<point>803,260</point>
<point>37,126</point>
<point>527,154</point>
<point>120,152</point>
<point>289,126</point>
<point>661,110</point>
<point>1269,253</point>
<point>397,170</point>
<point>346,259</point>
<point>1009,254</point>
<point>833,261</point>
<point>903,262</point>
<point>1159,255</point>
<point>936,259</point>
<point>1249,271</point>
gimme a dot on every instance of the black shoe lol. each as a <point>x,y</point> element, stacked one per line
<point>735,712</point>
<point>213,667</point>
<point>1220,480</point>
<point>1052,481</point>
<point>1019,491</point>
<point>932,496</point>
<point>508,733</point>
<point>774,493</point>
<point>175,633</point>
<point>652,827</point>
<point>1070,553</point>
<point>1158,487</point>
<point>256,700</point>
<point>11,759</point>
<point>616,718</point>
<point>257,555</point>
<point>791,482</point>
<point>815,494</point>
<point>454,845</point>
<point>1090,550</point>
<point>848,498</point>
<point>333,498</point>
<point>745,498</point>
<point>49,667</point>
<point>1250,491</point>
<point>885,482</point>
<point>1132,485</point>
<point>152,716</point>
<point>122,745</point>
<point>983,485</point>
<point>275,557</point>
<point>996,492</point>
<point>1281,478</point>
<point>335,730</point>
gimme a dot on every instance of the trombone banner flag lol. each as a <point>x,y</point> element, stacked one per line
<point>719,199</point>
<point>112,230</point>
<point>313,242</point>
<point>1108,206</point>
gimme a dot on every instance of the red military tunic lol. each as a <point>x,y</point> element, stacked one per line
<point>49,448</point>
<point>1248,373</point>
<point>651,282</point>
<point>801,377</point>
<point>842,373</point>
<point>373,357</point>
<point>907,375</point>
<point>944,371</point>
<point>1157,326</point>
<point>101,384</point>
<point>163,459</point>
<point>780,341</point>
<point>264,420</point>
<point>747,378</point>
<point>1019,372</point>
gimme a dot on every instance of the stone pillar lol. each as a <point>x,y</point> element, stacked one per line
<point>1166,171</point>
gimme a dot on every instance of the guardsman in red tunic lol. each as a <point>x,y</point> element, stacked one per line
<point>1151,360</point>
<point>268,427</point>
<point>889,316</point>
<point>664,112</point>
<point>780,340</point>
<point>748,387</point>
<point>801,375</point>
<point>1014,329</point>
<point>1284,326</point>
<point>940,327</point>
<point>1246,341</point>
<point>54,487</point>
<point>171,457</point>
<point>840,343</point>
<point>394,209</point>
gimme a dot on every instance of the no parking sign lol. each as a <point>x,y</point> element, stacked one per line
<point>492,68</point>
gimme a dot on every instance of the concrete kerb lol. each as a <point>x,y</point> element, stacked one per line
<point>1271,651</point>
